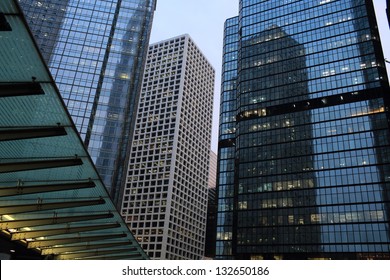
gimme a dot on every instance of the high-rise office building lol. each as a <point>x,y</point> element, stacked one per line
<point>211,224</point>
<point>304,142</point>
<point>211,208</point>
<point>165,200</point>
<point>213,170</point>
<point>96,52</point>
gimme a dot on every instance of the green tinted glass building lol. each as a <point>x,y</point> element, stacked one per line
<point>304,134</point>
<point>96,52</point>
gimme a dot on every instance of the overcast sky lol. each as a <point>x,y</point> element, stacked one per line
<point>203,20</point>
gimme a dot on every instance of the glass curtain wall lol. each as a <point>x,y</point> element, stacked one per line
<point>311,136</point>
<point>96,52</point>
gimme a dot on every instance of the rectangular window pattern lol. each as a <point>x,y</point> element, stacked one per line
<point>304,166</point>
<point>165,200</point>
<point>96,51</point>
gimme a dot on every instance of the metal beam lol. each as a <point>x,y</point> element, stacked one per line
<point>115,257</point>
<point>73,240</point>
<point>86,247</point>
<point>38,164</point>
<point>14,224</point>
<point>23,208</point>
<point>20,89</point>
<point>72,256</point>
<point>59,231</point>
<point>21,190</point>
<point>30,133</point>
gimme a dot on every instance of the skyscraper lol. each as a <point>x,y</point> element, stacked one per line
<point>304,135</point>
<point>213,170</point>
<point>96,52</point>
<point>165,200</point>
<point>211,208</point>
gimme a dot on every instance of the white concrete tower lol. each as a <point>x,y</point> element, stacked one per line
<point>165,199</point>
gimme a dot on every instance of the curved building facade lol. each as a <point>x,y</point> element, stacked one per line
<point>304,133</point>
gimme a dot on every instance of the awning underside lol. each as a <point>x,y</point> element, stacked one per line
<point>52,200</point>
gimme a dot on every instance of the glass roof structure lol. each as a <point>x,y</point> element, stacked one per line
<point>52,200</point>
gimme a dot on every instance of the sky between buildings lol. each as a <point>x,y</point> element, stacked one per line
<point>203,20</point>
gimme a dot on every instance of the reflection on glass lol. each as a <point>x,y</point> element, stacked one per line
<point>95,51</point>
<point>283,193</point>
<point>311,138</point>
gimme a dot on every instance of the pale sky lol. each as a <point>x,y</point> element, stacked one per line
<point>203,20</point>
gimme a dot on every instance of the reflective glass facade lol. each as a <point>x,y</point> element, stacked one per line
<point>96,52</point>
<point>304,134</point>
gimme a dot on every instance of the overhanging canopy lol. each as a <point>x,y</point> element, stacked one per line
<point>52,200</point>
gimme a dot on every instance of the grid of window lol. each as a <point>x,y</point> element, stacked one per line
<point>303,171</point>
<point>96,51</point>
<point>165,200</point>
<point>226,151</point>
<point>45,26</point>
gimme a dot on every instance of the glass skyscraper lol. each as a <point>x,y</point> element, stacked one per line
<point>304,143</point>
<point>96,52</point>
